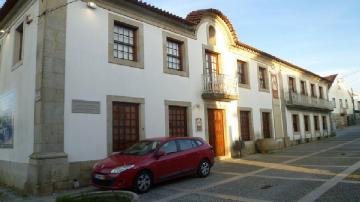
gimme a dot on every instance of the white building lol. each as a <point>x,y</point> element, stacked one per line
<point>80,82</point>
<point>341,96</point>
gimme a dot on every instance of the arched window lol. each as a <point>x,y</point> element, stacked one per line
<point>212,35</point>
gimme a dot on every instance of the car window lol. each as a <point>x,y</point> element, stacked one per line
<point>199,142</point>
<point>169,147</point>
<point>185,145</point>
<point>194,144</point>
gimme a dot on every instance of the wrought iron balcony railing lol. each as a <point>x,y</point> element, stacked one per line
<point>294,100</point>
<point>220,87</point>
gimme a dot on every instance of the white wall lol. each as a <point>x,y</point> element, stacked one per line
<point>339,90</point>
<point>89,76</point>
<point>21,83</point>
<point>286,73</point>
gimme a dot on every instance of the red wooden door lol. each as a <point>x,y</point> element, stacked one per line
<point>216,130</point>
<point>125,125</point>
<point>245,125</point>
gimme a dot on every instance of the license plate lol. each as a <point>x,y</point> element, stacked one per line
<point>100,177</point>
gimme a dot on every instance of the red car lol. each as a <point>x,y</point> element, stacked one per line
<point>152,161</point>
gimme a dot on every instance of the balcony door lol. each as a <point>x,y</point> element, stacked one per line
<point>212,64</point>
<point>216,130</point>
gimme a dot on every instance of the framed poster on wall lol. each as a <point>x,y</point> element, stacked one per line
<point>7,109</point>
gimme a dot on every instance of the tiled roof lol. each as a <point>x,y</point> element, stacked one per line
<point>331,78</point>
<point>193,18</point>
<point>196,17</point>
<point>6,8</point>
<point>160,11</point>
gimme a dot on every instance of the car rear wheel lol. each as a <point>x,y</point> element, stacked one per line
<point>204,168</point>
<point>143,182</point>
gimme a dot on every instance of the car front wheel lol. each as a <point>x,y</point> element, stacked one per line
<point>143,182</point>
<point>204,168</point>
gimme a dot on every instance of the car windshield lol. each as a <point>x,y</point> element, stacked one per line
<point>142,148</point>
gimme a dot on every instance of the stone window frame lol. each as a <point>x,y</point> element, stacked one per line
<point>188,106</point>
<point>318,123</point>
<point>267,85</point>
<point>315,95</point>
<point>16,63</point>
<point>251,121</point>
<point>326,122</point>
<point>306,87</point>
<point>295,84</point>
<point>246,85</point>
<point>109,109</point>
<point>139,33</point>
<point>183,41</point>
<point>297,123</point>
<point>262,110</point>
<point>309,124</point>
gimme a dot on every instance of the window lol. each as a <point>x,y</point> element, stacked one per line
<point>175,60</point>
<point>242,72</point>
<point>124,42</point>
<point>262,78</point>
<point>212,64</point>
<point>245,125</point>
<point>292,86</point>
<point>321,93</point>
<point>185,145</point>
<point>303,88</point>
<point>341,103</point>
<point>266,124</point>
<point>212,36</point>
<point>307,123</point>
<point>295,119</point>
<point>334,102</point>
<point>324,120</point>
<point>169,147</point>
<point>316,123</point>
<point>178,121</point>
<point>173,49</point>
<point>313,93</point>
<point>19,42</point>
<point>346,104</point>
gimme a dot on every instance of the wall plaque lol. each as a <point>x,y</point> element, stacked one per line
<point>85,107</point>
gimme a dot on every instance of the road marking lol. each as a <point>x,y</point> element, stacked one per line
<point>292,178</point>
<point>315,194</point>
<point>253,172</point>
<point>320,166</point>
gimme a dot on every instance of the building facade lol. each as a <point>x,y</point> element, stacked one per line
<point>341,96</point>
<point>79,82</point>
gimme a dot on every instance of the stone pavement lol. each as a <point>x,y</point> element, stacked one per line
<point>326,170</point>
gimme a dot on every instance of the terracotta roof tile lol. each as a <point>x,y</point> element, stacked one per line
<point>196,17</point>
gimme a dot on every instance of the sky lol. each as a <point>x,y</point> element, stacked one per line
<point>322,36</point>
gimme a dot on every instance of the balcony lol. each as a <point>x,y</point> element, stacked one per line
<point>220,87</point>
<point>297,101</point>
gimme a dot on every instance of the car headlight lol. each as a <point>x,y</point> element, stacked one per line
<point>95,165</point>
<point>121,169</point>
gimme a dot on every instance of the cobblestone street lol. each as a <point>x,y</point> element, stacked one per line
<point>327,170</point>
